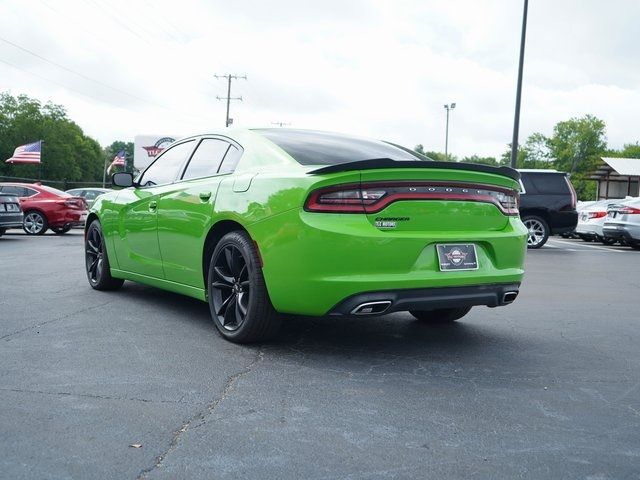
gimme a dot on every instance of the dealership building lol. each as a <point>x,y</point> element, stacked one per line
<point>617,178</point>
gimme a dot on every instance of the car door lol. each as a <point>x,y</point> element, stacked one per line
<point>185,213</point>
<point>136,245</point>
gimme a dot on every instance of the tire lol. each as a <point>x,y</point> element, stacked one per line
<point>3,231</point>
<point>97,261</point>
<point>608,241</point>
<point>238,298</point>
<point>442,315</point>
<point>635,245</point>
<point>61,230</point>
<point>538,231</point>
<point>34,223</point>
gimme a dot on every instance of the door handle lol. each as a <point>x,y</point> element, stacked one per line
<point>153,206</point>
<point>204,196</point>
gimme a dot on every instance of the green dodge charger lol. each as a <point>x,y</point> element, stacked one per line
<point>265,222</point>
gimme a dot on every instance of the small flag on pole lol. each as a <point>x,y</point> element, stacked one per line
<point>118,160</point>
<point>29,153</point>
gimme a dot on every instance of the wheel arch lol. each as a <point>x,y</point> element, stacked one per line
<point>90,218</point>
<point>36,209</point>
<point>216,232</point>
<point>537,212</point>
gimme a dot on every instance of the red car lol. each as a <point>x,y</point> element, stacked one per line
<point>45,207</point>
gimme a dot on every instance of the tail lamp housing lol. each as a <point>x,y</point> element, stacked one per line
<point>375,196</point>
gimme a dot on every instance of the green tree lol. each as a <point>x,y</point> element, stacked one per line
<point>629,150</point>
<point>535,153</point>
<point>481,160</point>
<point>67,153</point>
<point>576,147</point>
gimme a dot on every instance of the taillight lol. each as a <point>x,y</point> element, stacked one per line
<point>629,211</point>
<point>596,214</point>
<point>373,197</point>
<point>574,196</point>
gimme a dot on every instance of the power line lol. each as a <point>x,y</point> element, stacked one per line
<point>228,98</point>
<point>98,82</point>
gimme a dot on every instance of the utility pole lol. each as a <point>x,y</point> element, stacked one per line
<point>447,107</point>
<point>281,124</point>
<point>228,98</point>
<point>516,120</point>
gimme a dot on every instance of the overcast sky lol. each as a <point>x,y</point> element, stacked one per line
<point>376,68</point>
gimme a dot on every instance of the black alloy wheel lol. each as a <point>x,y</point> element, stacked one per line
<point>231,287</point>
<point>238,298</point>
<point>96,260</point>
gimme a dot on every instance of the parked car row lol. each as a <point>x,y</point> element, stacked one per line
<point>36,208</point>
<point>609,221</point>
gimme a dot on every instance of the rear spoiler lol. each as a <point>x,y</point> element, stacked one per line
<point>389,163</point>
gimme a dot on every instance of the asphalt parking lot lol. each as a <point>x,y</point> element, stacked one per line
<point>548,387</point>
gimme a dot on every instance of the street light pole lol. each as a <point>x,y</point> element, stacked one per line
<point>516,120</point>
<point>447,107</point>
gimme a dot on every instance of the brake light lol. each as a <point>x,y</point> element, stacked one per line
<point>629,211</point>
<point>596,214</point>
<point>574,196</point>
<point>373,197</point>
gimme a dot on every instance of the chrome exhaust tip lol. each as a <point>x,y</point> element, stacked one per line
<point>509,297</point>
<point>371,308</point>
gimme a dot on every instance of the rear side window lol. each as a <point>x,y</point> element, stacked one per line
<point>546,183</point>
<point>231,159</point>
<point>12,190</point>
<point>323,148</point>
<point>206,159</point>
<point>165,168</point>
<point>18,191</point>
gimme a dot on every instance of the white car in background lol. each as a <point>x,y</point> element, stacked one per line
<point>623,223</point>
<point>591,219</point>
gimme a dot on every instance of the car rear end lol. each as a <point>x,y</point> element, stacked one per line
<point>378,236</point>
<point>62,209</point>
<point>10,212</point>
<point>591,220</point>
<point>623,222</point>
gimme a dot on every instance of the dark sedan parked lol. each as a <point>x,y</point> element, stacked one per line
<point>10,213</point>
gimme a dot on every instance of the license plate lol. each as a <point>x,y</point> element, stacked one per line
<point>458,256</point>
<point>83,217</point>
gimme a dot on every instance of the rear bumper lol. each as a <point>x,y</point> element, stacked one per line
<point>621,231</point>
<point>563,222</point>
<point>315,261</point>
<point>70,218</point>
<point>377,303</point>
<point>13,220</point>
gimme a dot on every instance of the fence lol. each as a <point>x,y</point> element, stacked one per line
<point>60,184</point>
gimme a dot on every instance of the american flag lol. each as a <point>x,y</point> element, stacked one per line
<point>118,160</point>
<point>29,153</point>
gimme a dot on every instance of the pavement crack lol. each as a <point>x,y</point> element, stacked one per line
<point>90,395</point>
<point>201,416</point>
<point>57,319</point>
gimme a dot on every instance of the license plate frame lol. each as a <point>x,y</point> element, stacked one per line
<point>457,257</point>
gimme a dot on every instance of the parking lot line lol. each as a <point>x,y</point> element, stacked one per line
<point>596,247</point>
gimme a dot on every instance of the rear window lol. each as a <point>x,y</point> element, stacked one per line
<point>546,183</point>
<point>55,191</point>
<point>322,148</point>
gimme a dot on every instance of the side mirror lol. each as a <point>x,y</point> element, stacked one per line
<point>122,179</point>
